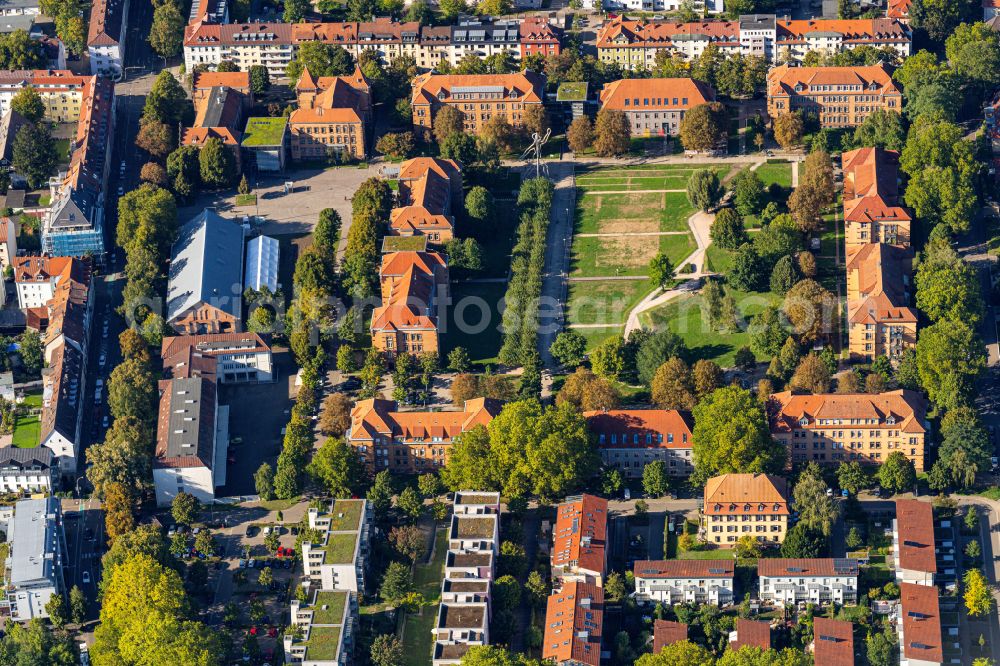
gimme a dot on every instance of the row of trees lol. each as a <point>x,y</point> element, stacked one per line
<point>34,154</point>
<point>520,317</point>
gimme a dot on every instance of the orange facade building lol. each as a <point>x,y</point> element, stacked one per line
<point>332,116</point>
<point>430,191</point>
<point>414,292</point>
<point>478,96</point>
<point>411,442</point>
<point>838,96</point>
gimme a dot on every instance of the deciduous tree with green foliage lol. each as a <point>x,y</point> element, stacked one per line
<point>704,127</point>
<point>731,434</point>
<point>727,229</point>
<point>612,133</point>
<point>703,189</point>
<point>569,348</point>
<point>897,474</point>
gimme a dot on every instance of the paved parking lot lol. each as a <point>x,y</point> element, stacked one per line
<point>257,413</point>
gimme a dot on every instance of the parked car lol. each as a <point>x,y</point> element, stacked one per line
<point>86,577</point>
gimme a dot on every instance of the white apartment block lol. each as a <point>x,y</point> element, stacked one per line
<point>337,561</point>
<point>328,622</point>
<point>27,470</point>
<point>62,91</point>
<point>788,582</point>
<point>473,544</point>
<point>240,357</point>
<point>684,581</point>
<point>36,557</point>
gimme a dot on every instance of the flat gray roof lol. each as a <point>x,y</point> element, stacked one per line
<point>33,541</point>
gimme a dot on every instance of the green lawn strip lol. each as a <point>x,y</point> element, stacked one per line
<point>417,636</point>
<point>593,208</point>
<point>604,302</point>
<point>676,212</point>
<point>27,431</point>
<point>496,240</point>
<point>780,173</point>
<point>246,199</point>
<point>32,400</point>
<point>677,247</point>
<point>718,260</point>
<point>683,316</point>
<point>595,336</point>
<point>474,320</point>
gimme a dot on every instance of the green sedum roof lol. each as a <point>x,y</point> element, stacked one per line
<point>572,92</point>
<point>261,132</point>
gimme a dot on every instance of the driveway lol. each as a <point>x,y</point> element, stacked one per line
<point>257,413</point>
<point>296,212</point>
<point>560,235</point>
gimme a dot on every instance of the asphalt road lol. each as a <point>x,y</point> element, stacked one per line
<point>84,527</point>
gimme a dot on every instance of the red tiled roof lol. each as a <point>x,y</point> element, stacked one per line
<point>684,568</point>
<point>921,618</point>
<point>580,533</point>
<point>873,79</point>
<point>906,410</point>
<point>833,642</point>
<point>751,632</point>
<point>667,633</point>
<point>805,567</point>
<point>627,424</point>
<point>739,494</point>
<point>428,87</point>
<point>574,620</point>
<point>380,418</point>
<point>655,94</point>
<point>915,526</point>
<point>209,80</point>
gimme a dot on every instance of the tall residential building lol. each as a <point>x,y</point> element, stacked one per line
<point>241,357</point>
<point>579,552</point>
<point>630,439</point>
<point>37,552</point>
<point>430,191</point>
<point>655,107</point>
<point>337,560</point>
<point>872,210</point>
<point>834,428</point>
<point>27,470</point>
<point>737,505</point>
<point>478,96</point>
<point>407,442</point>
<point>74,223</point>
<point>837,96</point>
<point>335,566</point>
<point>414,289</point>
<point>205,286</point>
<point>880,321</point>
<point>106,37</point>
<point>192,436</point>
<point>62,92</point>
<point>465,610</point>
<point>913,548</point>
<point>210,40</point>
<point>574,624</point>
<point>332,117</point>
<point>634,43</point>
<point>919,626</point>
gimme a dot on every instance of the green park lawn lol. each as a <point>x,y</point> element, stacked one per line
<point>607,302</point>
<point>625,255</point>
<point>480,337</point>
<point>683,316</point>
<point>776,172</point>
<point>632,213</point>
<point>417,643</point>
<point>595,336</point>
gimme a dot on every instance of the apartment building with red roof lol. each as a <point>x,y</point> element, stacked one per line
<point>634,43</point>
<point>574,623</point>
<point>667,633</point>
<point>332,118</point>
<point>106,34</point>
<point>478,97</point>
<point>430,191</point>
<point>913,554</point>
<point>62,92</point>
<point>750,633</point>
<point>673,582</point>
<point>538,37</point>
<point>832,428</point>
<point>579,551</point>
<point>833,642</point>
<point>655,107</point>
<point>630,439</point>
<point>414,289</point>
<point>737,505</point>
<point>820,581</point>
<point>386,438</point>
<point>899,10</point>
<point>919,626</point>
<point>838,96</point>
<point>872,210</point>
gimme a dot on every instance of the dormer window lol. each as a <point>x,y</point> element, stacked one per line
<point>890,419</point>
<point>803,421</point>
<point>799,87</point>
